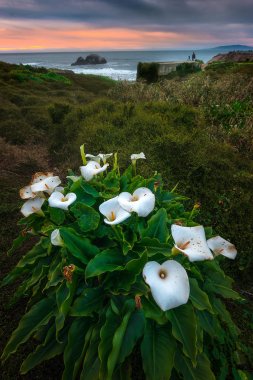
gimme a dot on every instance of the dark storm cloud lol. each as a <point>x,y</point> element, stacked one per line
<point>155,14</point>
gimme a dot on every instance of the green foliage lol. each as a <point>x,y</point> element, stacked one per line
<point>89,302</point>
<point>148,71</point>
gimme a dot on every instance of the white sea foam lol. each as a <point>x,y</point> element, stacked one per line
<point>107,72</point>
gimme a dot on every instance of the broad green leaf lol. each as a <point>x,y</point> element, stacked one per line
<point>57,215</point>
<point>91,364</point>
<point>202,371</point>
<point>37,316</point>
<point>116,345</point>
<point>153,246</point>
<point>55,275</point>
<point>106,261</point>
<point>89,189</point>
<point>184,329</point>
<point>152,311</point>
<point>225,316</point>
<point>48,350</point>
<point>64,298</point>
<point>199,298</point>
<point>210,324</point>
<point>28,261</point>
<point>123,280</point>
<point>134,331</point>
<point>74,348</point>
<point>158,351</point>
<point>106,334</point>
<point>18,242</point>
<point>87,217</point>
<point>222,286</point>
<point>90,301</point>
<point>157,226</point>
<point>78,246</point>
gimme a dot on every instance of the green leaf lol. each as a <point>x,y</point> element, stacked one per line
<point>91,364</point>
<point>210,324</point>
<point>134,331</point>
<point>153,246</point>
<point>18,242</point>
<point>158,350</point>
<point>199,298</point>
<point>127,276</point>
<point>48,350</point>
<point>57,215</point>
<point>55,275</point>
<point>64,297</point>
<point>184,329</point>
<point>90,301</point>
<point>157,226</point>
<point>116,345</point>
<point>106,261</point>
<point>222,286</point>
<point>106,335</point>
<point>78,246</point>
<point>87,217</point>
<point>201,371</point>
<point>152,311</point>
<point>37,316</point>
<point>74,348</point>
<point>225,316</point>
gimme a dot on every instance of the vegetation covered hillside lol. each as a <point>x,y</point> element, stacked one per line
<point>196,130</point>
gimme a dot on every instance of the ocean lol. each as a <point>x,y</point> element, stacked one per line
<point>121,65</point>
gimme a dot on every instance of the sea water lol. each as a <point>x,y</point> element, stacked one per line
<point>121,65</point>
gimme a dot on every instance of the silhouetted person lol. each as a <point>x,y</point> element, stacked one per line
<point>193,56</point>
<point>189,57</point>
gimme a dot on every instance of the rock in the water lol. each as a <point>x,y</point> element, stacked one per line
<point>92,59</point>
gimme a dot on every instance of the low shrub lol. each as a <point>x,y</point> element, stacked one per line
<point>107,280</point>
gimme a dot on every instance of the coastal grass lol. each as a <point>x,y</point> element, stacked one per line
<point>196,130</point>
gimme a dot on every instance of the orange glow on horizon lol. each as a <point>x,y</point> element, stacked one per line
<point>25,35</point>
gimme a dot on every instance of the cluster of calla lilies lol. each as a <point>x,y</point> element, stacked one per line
<point>169,283</point>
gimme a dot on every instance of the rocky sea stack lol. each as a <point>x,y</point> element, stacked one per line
<point>92,59</point>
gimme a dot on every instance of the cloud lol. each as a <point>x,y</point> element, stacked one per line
<point>138,23</point>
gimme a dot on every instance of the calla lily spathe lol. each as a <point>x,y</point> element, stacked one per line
<point>220,246</point>
<point>32,206</point>
<point>48,184</point>
<point>138,156</point>
<point>27,192</point>
<point>168,282</point>
<point>56,238</point>
<point>114,214</point>
<point>142,201</point>
<point>91,169</point>
<point>192,242</point>
<point>100,156</point>
<point>58,200</point>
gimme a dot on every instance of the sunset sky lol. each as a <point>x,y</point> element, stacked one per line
<point>70,25</point>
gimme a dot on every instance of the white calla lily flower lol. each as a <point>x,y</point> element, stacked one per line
<point>142,201</point>
<point>56,238</point>
<point>58,200</point>
<point>168,282</point>
<point>32,206</point>
<point>93,158</point>
<point>40,176</point>
<point>192,242</point>
<point>26,193</point>
<point>91,169</point>
<point>104,156</point>
<point>114,214</point>
<point>137,156</point>
<point>220,246</point>
<point>48,184</point>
